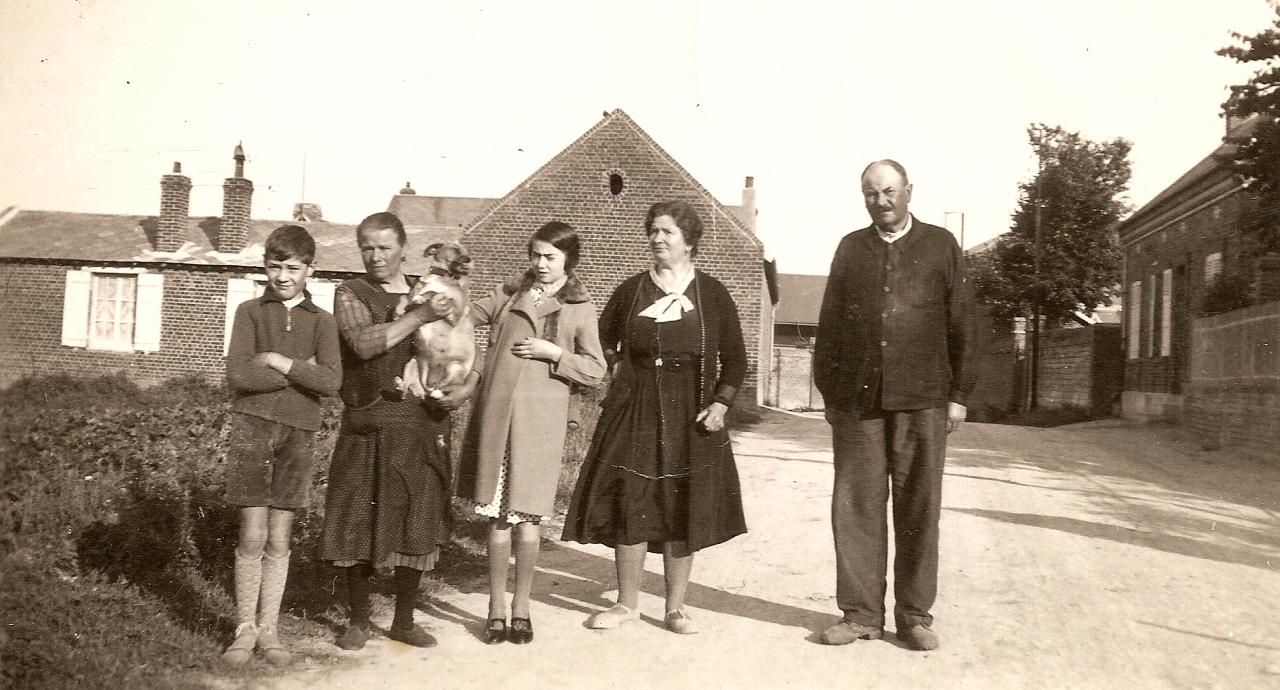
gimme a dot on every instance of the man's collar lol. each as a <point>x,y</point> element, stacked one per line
<point>892,237</point>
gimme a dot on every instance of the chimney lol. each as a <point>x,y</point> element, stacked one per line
<point>407,190</point>
<point>237,195</point>
<point>749,203</point>
<point>175,202</point>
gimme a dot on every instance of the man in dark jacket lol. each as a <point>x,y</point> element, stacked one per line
<point>891,363</point>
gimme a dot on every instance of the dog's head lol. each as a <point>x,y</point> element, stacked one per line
<point>448,259</point>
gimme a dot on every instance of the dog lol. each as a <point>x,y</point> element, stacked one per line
<point>443,350</point>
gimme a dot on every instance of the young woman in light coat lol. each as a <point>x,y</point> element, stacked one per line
<point>544,338</point>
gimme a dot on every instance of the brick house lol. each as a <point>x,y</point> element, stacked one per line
<point>1174,247</point>
<point>603,184</point>
<point>92,294</point>
<point>152,296</point>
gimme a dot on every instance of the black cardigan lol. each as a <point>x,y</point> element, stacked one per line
<point>724,355</point>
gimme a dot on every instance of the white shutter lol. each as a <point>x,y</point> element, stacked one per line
<point>75,309</point>
<point>147,309</point>
<point>1166,313</point>
<point>1135,318</point>
<point>239,291</point>
<point>322,294</point>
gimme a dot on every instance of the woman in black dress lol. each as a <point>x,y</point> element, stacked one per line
<point>660,474</point>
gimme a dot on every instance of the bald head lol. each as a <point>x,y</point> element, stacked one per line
<point>886,193</point>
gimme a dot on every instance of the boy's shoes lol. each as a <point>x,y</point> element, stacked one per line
<point>848,632</point>
<point>496,631</point>
<point>271,648</point>
<point>521,631</point>
<point>354,637</point>
<point>918,637</point>
<point>241,649</point>
<point>612,618</point>
<point>411,635</point>
<point>680,623</point>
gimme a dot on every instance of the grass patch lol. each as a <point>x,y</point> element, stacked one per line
<point>116,545</point>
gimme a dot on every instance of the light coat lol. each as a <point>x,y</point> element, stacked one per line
<point>525,402</point>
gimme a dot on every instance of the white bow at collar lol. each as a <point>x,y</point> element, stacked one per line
<point>673,304</point>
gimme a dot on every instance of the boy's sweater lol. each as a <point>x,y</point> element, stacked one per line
<point>306,334</point>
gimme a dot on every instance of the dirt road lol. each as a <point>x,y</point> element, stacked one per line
<point>1091,556</point>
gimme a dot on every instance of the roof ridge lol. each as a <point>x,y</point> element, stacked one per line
<point>488,211</point>
<point>689,177</point>
<point>621,115</point>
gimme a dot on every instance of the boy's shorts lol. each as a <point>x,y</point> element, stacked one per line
<point>269,463</point>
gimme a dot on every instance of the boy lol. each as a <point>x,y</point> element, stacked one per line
<point>283,357</point>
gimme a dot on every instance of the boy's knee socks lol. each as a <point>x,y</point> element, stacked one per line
<point>248,584</point>
<point>275,571</point>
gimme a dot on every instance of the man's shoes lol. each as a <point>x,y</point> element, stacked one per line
<point>918,637</point>
<point>612,618</point>
<point>680,623</point>
<point>848,632</point>
<point>521,631</point>
<point>354,637</point>
<point>412,635</point>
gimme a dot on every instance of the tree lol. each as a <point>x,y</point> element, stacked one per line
<point>1255,153</point>
<point>1079,189</point>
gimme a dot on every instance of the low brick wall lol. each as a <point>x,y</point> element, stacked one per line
<point>1233,399</point>
<point>1081,367</point>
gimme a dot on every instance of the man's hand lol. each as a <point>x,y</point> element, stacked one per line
<point>955,416</point>
<point>712,418</point>
<point>274,360</point>
<point>537,348</point>
<point>456,394</point>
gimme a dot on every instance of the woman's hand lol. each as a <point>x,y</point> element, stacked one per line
<point>537,348</point>
<point>712,418</point>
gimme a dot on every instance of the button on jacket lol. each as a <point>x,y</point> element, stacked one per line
<point>894,321</point>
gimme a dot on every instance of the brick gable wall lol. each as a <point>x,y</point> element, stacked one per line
<point>574,188</point>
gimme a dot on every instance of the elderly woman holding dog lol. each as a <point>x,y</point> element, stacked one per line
<point>660,474</point>
<point>544,338</point>
<point>387,505</point>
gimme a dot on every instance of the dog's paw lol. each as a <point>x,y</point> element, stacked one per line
<point>435,394</point>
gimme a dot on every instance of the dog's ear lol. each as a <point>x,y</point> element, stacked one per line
<point>432,249</point>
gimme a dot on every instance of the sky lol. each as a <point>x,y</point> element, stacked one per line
<point>342,104</point>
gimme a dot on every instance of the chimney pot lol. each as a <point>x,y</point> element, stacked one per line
<point>751,182</point>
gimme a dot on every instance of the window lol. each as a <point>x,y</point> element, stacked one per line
<point>240,290</point>
<point>1166,313</point>
<point>1135,318</point>
<point>116,310</point>
<point>111,305</point>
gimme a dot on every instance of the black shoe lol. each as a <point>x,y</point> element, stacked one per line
<point>411,635</point>
<point>521,631</point>
<point>354,636</point>
<point>496,632</point>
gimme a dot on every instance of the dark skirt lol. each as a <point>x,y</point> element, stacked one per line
<point>388,489</point>
<point>643,480</point>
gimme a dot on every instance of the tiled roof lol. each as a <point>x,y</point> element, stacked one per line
<point>90,237</point>
<point>799,298</point>
<point>1207,166</point>
<point>436,211</point>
